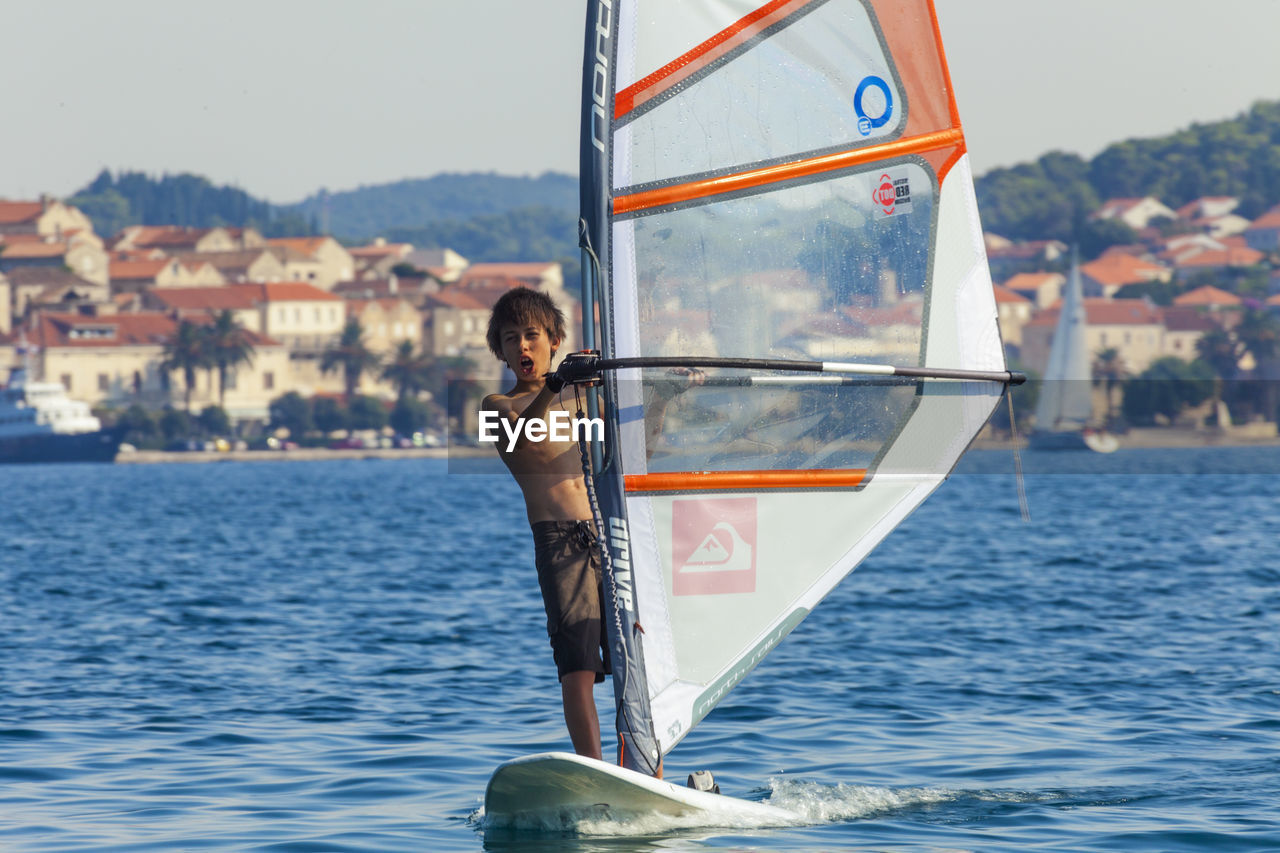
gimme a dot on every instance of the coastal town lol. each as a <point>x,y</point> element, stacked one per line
<point>312,318</point>
<point>105,317</point>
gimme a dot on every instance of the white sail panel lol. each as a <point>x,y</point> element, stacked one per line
<point>812,270</point>
<point>798,86</point>
<point>653,32</point>
<point>782,180</point>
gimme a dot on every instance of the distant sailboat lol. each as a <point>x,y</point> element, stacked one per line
<point>1064,413</point>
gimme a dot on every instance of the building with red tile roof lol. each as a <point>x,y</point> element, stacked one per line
<point>1133,326</point>
<point>1264,233</point>
<point>1042,288</point>
<point>239,266</point>
<point>1218,260</point>
<point>115,359</point>
<point>1013,311</point>
<point>79,251</point>
<point>1109,273</point>
<point>1183,327</point>
<point>176,239</point>
<point>1137,213</point>
<point>45,216</point>
<point>1208,297</point>
<point>328,261</point>
<point>48,287</point>
<point>386,322</point>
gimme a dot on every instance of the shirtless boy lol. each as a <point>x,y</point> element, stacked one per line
<point>525,330</point>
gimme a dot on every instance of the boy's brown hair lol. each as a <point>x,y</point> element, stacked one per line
<point>521,307</point>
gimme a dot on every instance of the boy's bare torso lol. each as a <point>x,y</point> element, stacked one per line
<point>549,472</point>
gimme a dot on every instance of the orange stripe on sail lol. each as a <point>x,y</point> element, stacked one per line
<point>663,196</point>
<point>695,481</point>
<point>723,42</point>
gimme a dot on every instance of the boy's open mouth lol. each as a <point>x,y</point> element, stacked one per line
<point>526,364</point>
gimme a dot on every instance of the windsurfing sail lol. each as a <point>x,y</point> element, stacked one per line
<point>1066,397</point>
<point>782,181</point>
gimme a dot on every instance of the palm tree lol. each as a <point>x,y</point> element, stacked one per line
<point>1259,335</point>
<point>1219,349</point>
<point>1109,367</point>
<point>229,347</point>
<point>187,350</point>
<point>451,386</point>
<point>350,355</point>
<point>407,371</point>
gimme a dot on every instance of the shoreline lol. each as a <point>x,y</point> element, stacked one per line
<point>1161,438</point>
<point>1155,438</point>
<point>301,454</point>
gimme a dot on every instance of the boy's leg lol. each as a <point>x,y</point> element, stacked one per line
<point>580,712</point>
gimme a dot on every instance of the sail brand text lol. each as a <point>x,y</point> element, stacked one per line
<point>620,542</point>
<point>600,75</point>
<point>557,426</point>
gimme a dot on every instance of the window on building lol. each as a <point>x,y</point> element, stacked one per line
<point>137,382</point>
<point>66,381</point>
<point>104,382</point>
<point>230,381</point>
<point>268,380</point>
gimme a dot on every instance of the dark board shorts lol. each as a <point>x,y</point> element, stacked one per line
<point>568,560</point>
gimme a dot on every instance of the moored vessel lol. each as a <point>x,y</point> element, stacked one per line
<point>40,423</point>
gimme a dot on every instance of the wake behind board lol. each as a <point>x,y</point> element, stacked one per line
<point>551,789</point>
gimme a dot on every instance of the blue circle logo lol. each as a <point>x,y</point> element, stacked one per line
<point>867,123</point>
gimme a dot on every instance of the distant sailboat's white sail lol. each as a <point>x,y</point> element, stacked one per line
<point>768,180</point>
<point>1066,398</point>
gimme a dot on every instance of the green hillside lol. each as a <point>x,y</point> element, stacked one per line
<point>1052,197</point>
<point>372,211</point>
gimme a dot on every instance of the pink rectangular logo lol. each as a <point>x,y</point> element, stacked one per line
<point>713,544</point>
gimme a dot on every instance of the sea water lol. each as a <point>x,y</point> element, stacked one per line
<point>333,656</point>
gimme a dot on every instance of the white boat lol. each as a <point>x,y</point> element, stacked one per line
<point>1064,411</point>
<point>40,423</point>
<point>763,185</point>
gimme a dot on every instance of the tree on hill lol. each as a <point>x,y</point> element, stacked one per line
<point>136,198</point>
<point>1052,197</point>
<point>366,212</point>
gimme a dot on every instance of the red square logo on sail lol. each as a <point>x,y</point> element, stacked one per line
<point>713,545</point>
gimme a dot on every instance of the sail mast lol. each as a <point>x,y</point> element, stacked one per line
<point>637,746</point>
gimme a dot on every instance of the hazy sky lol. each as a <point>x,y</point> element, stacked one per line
<point>282,97</point>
